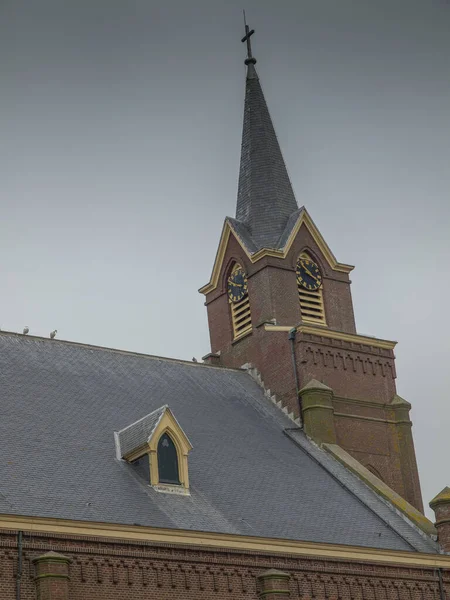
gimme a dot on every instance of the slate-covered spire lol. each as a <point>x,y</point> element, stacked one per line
<point>265,196</point>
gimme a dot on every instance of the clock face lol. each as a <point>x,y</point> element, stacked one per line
<point>308,274</point>
<point>237,284</point>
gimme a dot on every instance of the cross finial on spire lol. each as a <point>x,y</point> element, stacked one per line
<point>250,60</point>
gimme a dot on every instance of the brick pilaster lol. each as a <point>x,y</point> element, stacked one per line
<point>441,506</point>
<point>273,585</point>
<point>52,576</point>
<point>318,412</point>
<point>408,465</point>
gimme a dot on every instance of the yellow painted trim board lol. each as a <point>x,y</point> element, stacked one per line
<point>304,218</point>
<point>268,327</point>
<point>335,335</point>
<point>381,488</point>
<point>221,541</point>
<point>220,255</point>
<point>348,337</point>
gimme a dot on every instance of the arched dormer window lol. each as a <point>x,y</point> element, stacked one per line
<point>310,290</point>
<point>157,448</point>
<point>167,461</point>
<point>237,290</point>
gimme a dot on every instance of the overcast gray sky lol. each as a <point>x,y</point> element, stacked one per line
<point>120,139</point>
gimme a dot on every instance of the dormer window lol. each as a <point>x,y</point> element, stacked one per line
<point>158,449</point>
<point>167,461</point>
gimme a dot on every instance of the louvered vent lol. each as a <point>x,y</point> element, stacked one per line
<point>311,302</point>
<point>241,316</point>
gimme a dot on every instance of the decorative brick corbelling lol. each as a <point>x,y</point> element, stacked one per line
<point>345,360</point>
<point>117,571</point>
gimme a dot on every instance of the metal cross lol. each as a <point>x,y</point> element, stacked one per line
<point>246,38</point>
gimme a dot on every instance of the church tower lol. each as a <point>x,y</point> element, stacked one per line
<point>278,300</point>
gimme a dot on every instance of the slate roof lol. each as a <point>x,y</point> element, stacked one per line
<point>265,196</point>
<point>250,472</point>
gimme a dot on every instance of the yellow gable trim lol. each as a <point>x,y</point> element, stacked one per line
<point>304,219</point>
<point>320,241</point>
<point>168,424</point>
<point>221,541</point>
<point>220,255</point>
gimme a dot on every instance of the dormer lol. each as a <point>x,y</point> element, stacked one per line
<point>157,448</point>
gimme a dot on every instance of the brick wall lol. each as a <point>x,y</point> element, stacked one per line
<point>362,377</point>
<point>273,291</point>
<point>108,570</point>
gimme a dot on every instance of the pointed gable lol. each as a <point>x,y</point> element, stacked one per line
<point>138,437</point>
<point>299,218</point>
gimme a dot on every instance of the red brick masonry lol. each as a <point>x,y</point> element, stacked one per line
<point>108,570</point>
<point>361,376</point>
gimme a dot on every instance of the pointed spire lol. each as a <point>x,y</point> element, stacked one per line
<point>265,196</point>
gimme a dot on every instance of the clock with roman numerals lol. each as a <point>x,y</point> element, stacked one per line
<point>237,284</point>
<point>308,274</point>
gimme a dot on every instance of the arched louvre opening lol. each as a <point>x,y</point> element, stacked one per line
<point>311,301</point>
<point>168,461</point>
<point>239,302</point>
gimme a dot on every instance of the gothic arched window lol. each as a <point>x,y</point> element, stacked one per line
<point>237,289</point>
<point>311,301</point>
<point>168,461</point>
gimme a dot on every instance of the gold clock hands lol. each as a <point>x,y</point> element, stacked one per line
<point>309,272</point>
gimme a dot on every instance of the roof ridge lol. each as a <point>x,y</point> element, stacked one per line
<point>157,410</point>
<point>322,461</point>
<point>116,350</point>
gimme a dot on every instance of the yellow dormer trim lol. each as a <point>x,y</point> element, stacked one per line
<point>168,424</point>
<point>304,219</point>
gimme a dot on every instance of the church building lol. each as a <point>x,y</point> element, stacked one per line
<point>281,467</point>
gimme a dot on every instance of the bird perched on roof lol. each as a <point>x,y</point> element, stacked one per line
<point>194,359</point>
<point>53,333</point>
<point>26,329</point>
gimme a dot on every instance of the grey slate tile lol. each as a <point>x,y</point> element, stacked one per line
<point>265,196</point>
<point>61,403</point>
